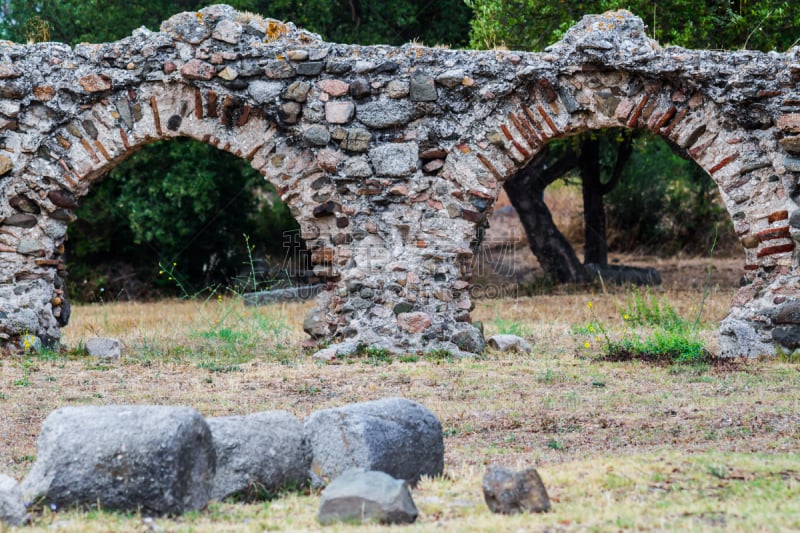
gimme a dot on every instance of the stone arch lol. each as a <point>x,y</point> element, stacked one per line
<point>391,157</point>
<point>734,141</point>
<point>76,154</point>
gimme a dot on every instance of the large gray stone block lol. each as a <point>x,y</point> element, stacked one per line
<point>153,459</point>
<point>395,160</point>
<point>393,435</point>
<point>12,510</point>
<point>257,454</point>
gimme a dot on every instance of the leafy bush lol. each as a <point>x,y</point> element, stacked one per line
<point>644,309</point>
<point>178,202</point>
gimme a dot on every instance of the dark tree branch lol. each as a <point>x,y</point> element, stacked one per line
<point>624,151</point>
<point>537,175</point>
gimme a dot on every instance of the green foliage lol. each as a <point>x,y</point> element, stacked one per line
<point>178,202</point>
<point>644,309</point>
<point>218,368</point>
<point>671,338</point>
<point>511,327</point>
<point>592,327</point>
<point>663,202</point>
<point>673,346</point>
<point>713,24</point>
<point>438,355</point>
<point>378,21</point>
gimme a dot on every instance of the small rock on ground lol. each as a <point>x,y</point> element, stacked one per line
<point>508,343</point>
<point>469,340</point>
<point>510,492</point>
<point>360,496</point>
<point>343,349</point>
<point>12,510</point>
<point>103,348</point>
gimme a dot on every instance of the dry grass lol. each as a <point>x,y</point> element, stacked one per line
<point>619,445</point>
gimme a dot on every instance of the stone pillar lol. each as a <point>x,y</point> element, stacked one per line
<point>32,293</point>
<point>401,283</point>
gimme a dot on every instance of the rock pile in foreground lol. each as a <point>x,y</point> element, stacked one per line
<point>161,460</point>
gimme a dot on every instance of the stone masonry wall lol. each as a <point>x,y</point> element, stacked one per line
<point>390,158</point>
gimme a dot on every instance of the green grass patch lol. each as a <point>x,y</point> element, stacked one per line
<point>662,346</point>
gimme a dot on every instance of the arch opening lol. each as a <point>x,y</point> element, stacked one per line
<point>185,210</point>
<point>653,201</point>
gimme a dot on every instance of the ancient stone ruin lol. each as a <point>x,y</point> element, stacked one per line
<point>389,157</point>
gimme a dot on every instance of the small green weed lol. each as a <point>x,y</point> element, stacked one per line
<point>375,355</point>
<point>589,328</point>
<point>309,389</point>
<point>553,444</point>
<point>661,346</point>
<point>218,368</point>
<point>792,357</point>
<point>226,335</point>
<point>450,432</point>
<point>510,327</point>
<point>439,355</point>
<point>644,309</point>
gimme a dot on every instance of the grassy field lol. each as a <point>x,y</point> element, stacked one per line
<point>619,445</point>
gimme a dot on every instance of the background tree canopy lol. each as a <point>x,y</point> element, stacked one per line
<point>712,24</point>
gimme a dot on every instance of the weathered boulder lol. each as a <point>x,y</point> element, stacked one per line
<point>258,454</point>
<point>469,340</point>
<point>359,496</point>
<point>393,435</point>
<point>103,348</point>
<point>508,343</point>
<point>12,510</point>
<point>740,337</point>
<point>154,459</point>
<point>509,492</point>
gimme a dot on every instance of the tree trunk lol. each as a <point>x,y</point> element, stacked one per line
<point>548,244</point>
<point>595,249</point>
